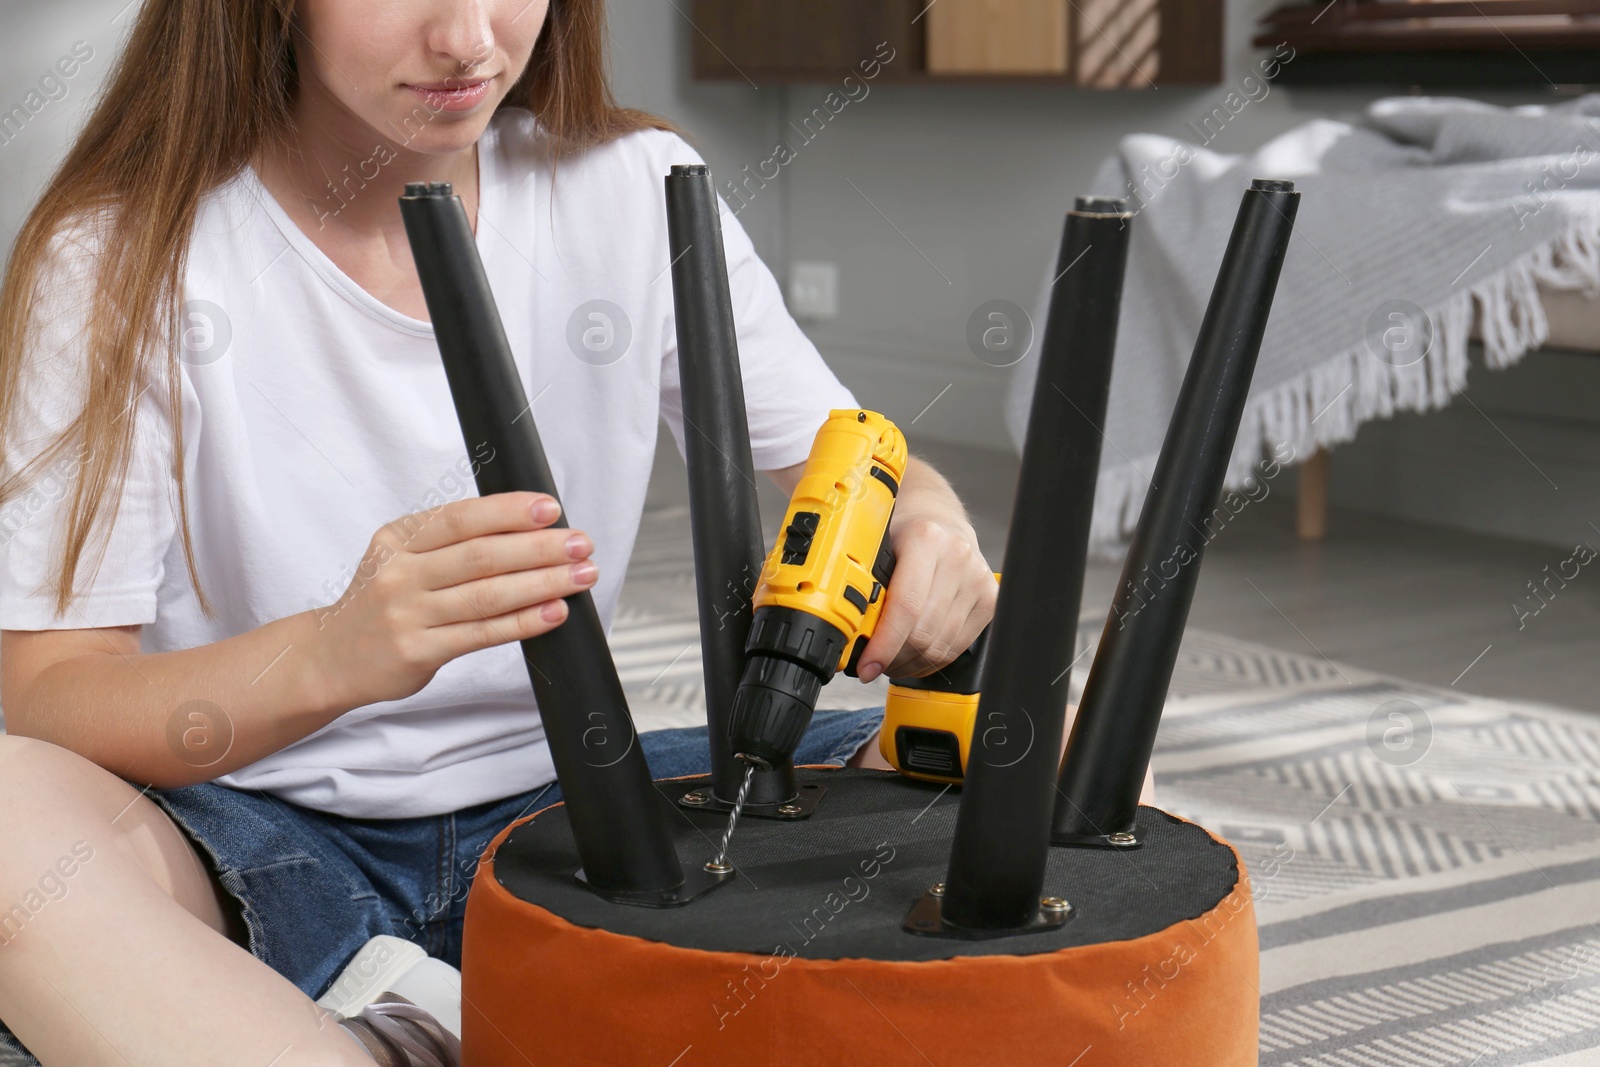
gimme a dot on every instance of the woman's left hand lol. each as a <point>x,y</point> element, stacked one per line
<point>942,592</point>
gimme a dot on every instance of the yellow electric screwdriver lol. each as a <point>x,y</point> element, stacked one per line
<point>928,722</point>
<point>818,601</point>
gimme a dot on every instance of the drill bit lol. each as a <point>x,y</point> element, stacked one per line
<point>721,862</point>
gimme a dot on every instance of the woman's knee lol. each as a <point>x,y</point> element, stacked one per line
<point>29,767</point>
<point>39,780</point>
<point>50,800</point>
<point>58,808</point>
<point>44,842</point>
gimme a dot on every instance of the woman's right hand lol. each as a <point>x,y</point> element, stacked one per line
<point>438,584</point>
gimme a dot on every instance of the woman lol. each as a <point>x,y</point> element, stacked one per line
<point>232,763</point>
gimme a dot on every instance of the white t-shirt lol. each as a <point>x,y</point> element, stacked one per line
<point>313,414</point>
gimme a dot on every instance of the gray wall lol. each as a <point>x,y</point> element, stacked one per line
<point>1523,463</point>
<point>36,36</point>
<point>973,178</point>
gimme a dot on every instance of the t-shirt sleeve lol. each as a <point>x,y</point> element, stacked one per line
<point>33,524</point>
<point>788,388</point>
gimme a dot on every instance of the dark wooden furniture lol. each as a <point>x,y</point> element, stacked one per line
<point>1476,44</point>
<point>1107,43</point>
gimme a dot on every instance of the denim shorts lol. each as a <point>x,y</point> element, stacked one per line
<point>312,888</point>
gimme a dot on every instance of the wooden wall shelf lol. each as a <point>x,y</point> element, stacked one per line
<point>1102,44</point>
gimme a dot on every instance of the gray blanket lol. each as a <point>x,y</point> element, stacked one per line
<point>1419,220</point>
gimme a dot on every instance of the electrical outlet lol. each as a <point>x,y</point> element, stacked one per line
<point>814,291</point>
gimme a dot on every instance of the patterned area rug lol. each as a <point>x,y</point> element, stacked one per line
<point>1426,863</point>
<point>1426,866</point>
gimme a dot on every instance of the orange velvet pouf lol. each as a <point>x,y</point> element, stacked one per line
<point>802,958</point>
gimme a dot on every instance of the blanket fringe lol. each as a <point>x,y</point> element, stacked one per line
<point>1326,405</point>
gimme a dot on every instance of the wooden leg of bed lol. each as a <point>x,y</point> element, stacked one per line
<point>1311,519</point>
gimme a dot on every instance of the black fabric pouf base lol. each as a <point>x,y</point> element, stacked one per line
<point>839,884</point>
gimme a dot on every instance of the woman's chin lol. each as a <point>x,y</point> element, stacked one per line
<point>434,133</point>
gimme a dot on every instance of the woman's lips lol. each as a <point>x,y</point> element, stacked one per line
<point>462,96</point>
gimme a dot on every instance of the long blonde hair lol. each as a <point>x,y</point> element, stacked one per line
<point>199,87</point>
